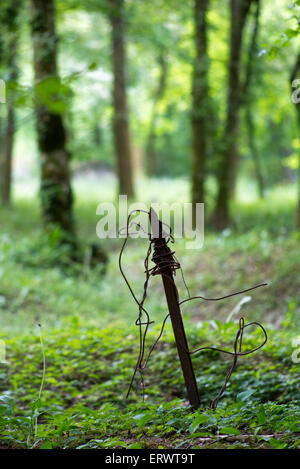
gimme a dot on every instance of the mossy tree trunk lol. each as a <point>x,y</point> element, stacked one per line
<point>9,50</point>
<point>56,192</point>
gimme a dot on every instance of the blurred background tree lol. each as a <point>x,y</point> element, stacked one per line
<point>200,103</point>
<point>10,19</point>
<point>56,192</point>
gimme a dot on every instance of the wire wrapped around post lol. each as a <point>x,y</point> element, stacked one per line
<point>166,265</point>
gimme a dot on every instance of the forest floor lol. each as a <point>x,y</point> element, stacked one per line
<point>63,385</point>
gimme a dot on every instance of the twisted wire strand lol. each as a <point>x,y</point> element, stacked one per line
<point>223,297</point>
<point>142,334</point>
<point>235,354</point>
<point>168,260</point>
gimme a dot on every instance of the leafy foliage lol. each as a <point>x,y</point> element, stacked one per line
<point>87,372</point>
<point>90,341</point>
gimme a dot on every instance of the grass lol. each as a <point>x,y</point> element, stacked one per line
<point>90,341</point>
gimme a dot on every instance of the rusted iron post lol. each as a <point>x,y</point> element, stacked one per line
<point>162,252</point>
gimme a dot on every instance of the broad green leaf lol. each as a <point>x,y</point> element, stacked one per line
<point>261,415</point>
<point>277,444</point>
<point>142,419</point>
<point>198,420</point>
<point>135,446</point>
<point>243,396</point>
<point>230,431</point>
<point>46,445</point>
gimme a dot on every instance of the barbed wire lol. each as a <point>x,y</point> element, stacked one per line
<point>168,260</point>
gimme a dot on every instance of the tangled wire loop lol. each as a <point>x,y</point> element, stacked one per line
<point>161,262</point>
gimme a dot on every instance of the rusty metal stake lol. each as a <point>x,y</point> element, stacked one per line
<point>161,250</point>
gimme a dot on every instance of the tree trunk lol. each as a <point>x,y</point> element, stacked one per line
<point>122,142</point>
<point>229,161</point>
<point>199,104</point>
<point>254,152</point>
<point>6,157</point>
<point>10,52</point>
<point>151,156</point>
<point>56,192</point>
<point>248,103</point>
<point>295,72</point>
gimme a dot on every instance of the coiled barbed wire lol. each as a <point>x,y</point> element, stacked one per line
<point>168,260</point>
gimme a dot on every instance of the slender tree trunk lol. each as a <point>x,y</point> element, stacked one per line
<point>151,156</point>
<point>247,97</point>
<point>56,192</point>
<point>296,75</point>
<point>229,161</point>
<point>254,152</point>
<point>121,120</point>
<point>200,103</point>
<point>6,156</point>
<point>11,46</point>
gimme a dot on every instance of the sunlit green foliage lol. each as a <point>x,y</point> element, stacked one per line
<point>153,28</point>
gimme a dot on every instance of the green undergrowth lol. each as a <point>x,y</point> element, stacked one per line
<point>82,403</point>
<point>90,343</point>
<point>38,282</point>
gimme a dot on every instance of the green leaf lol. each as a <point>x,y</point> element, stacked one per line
<point>53,93</point>
<point>261,415</point>
<point>277,444</point>
<point>115,443</point>
<point>243,396</point>
<point>135,446</point>
<point>93,66</point>
<point>198,420</point>
<point>35,404</point>
<point>142,419</point>
<point>201,434</point>
<point>46,445</point>
<point>172,421</point>
<point>230,431</point>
